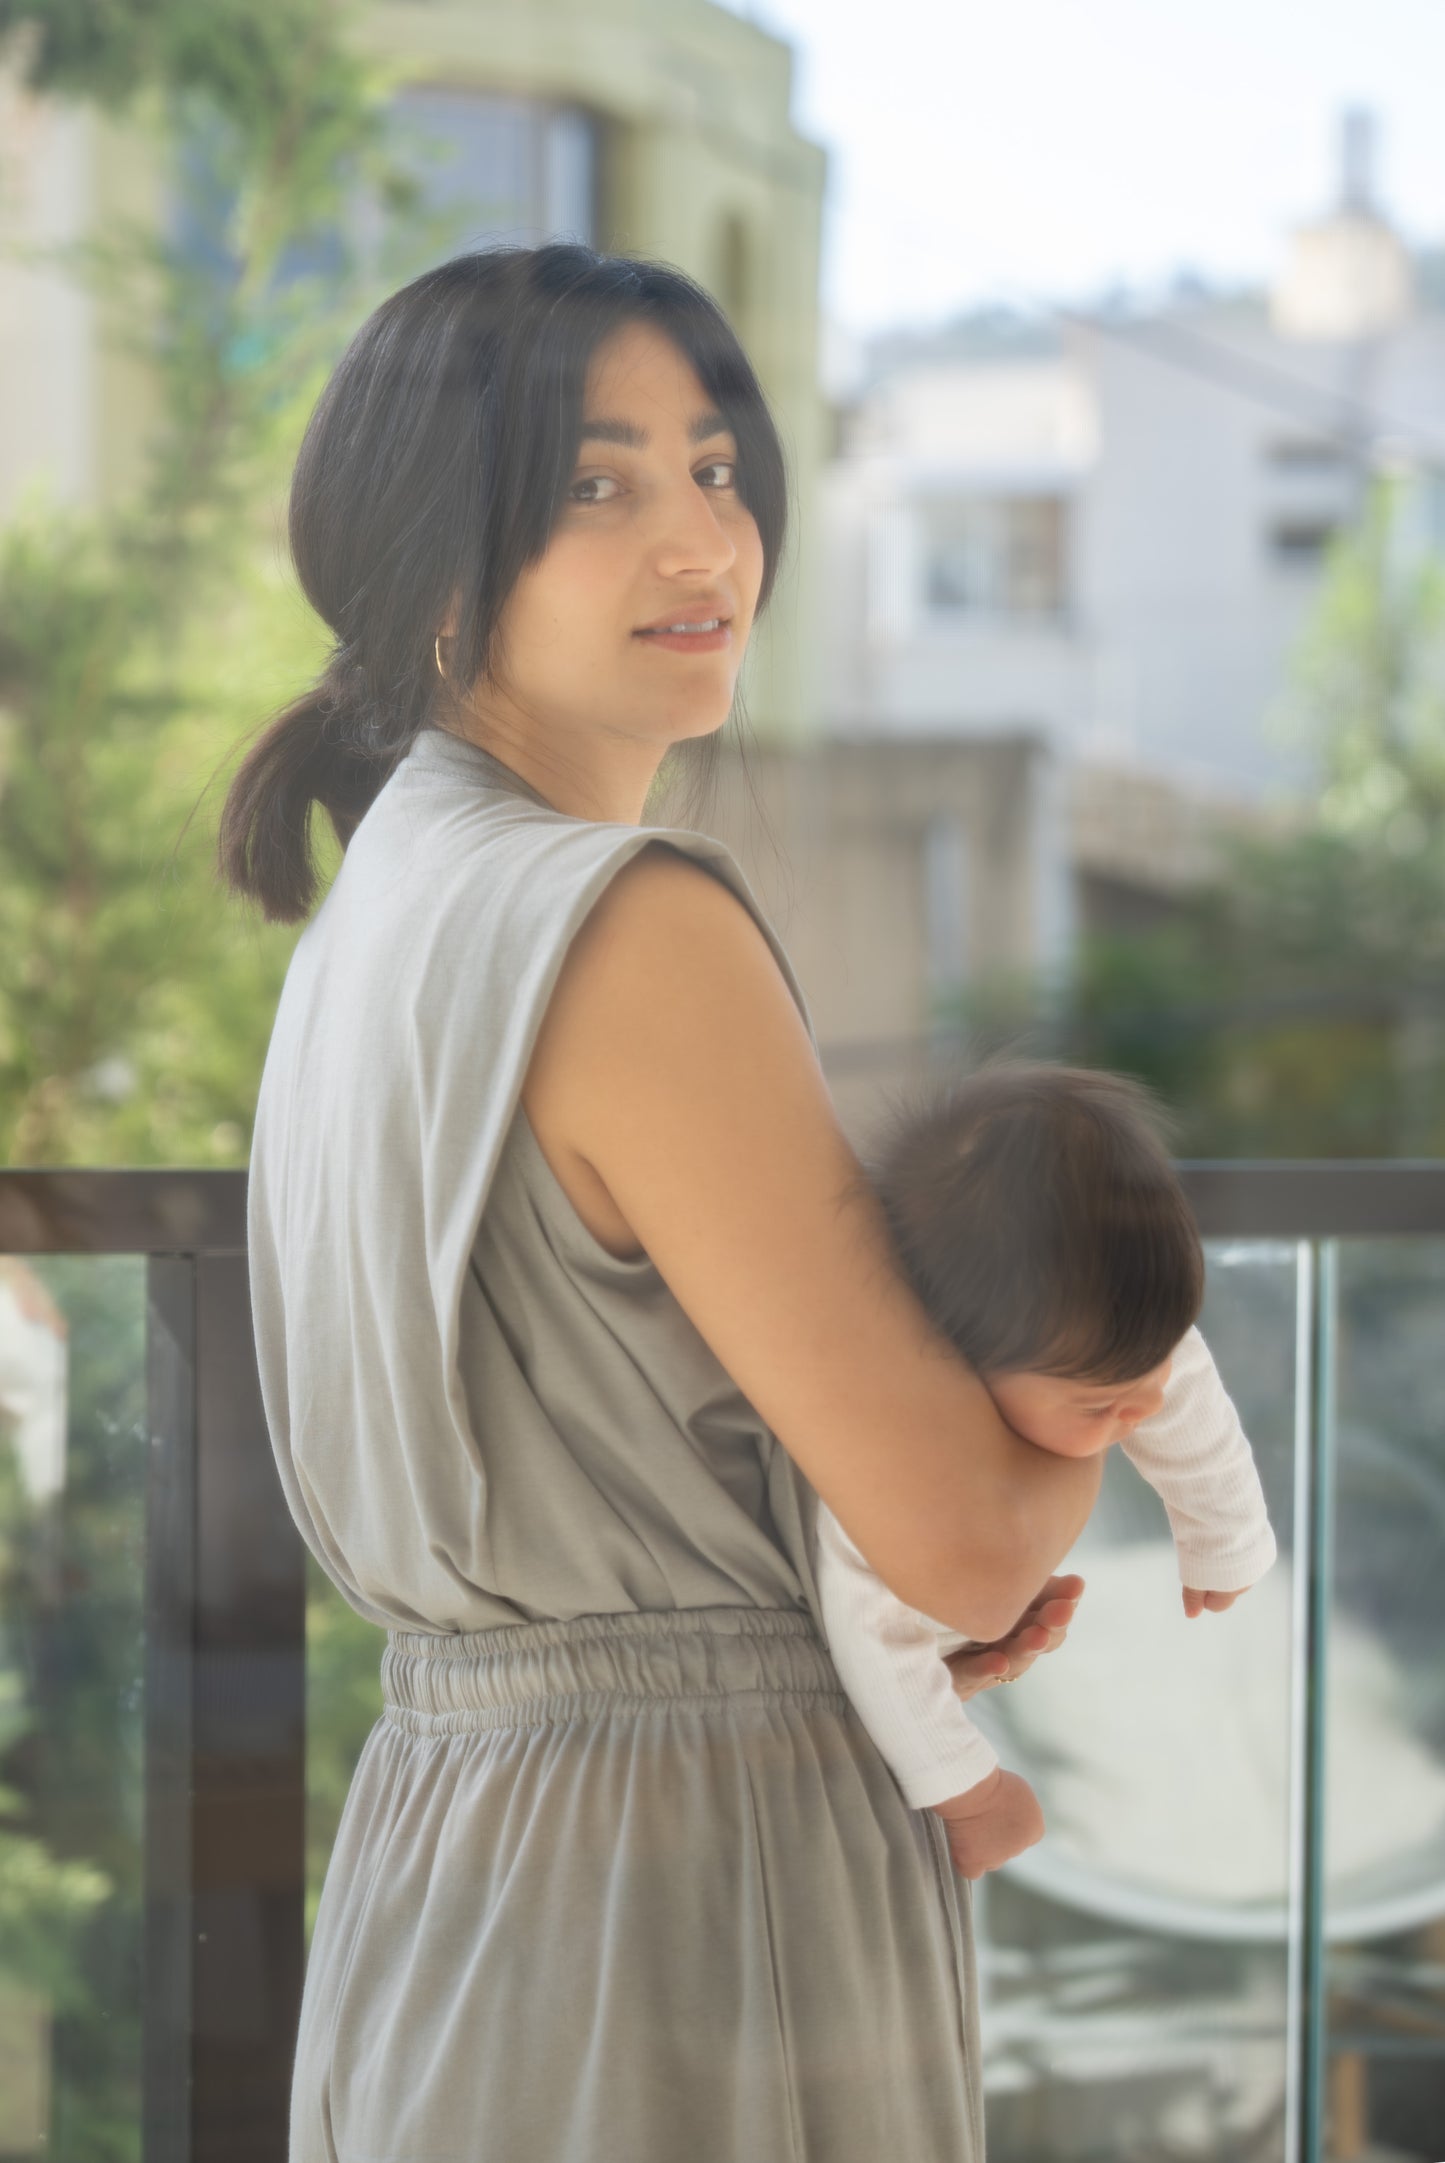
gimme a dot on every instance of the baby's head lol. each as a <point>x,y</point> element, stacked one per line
<point>1038,1217</point>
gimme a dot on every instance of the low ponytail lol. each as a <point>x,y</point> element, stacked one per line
<point>317,750</point>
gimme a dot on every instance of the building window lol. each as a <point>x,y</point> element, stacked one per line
<point>1300,544</point>
<point>494,168</point>
<point>487,168</point>
<point>995,556</point>
<point>1305,454</point>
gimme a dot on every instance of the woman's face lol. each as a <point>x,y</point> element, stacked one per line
<point>627,634</point>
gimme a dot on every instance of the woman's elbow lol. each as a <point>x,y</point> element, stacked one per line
<point>981,1612</point>
<point>976,1590</point>
<point>983,1585</point>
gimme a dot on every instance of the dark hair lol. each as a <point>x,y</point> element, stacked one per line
<point>437,459</point>
<point>1037,1214</point>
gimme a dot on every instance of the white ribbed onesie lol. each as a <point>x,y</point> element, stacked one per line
<point>1193,1453</point>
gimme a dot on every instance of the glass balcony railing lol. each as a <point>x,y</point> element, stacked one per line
<point>1232,1945</point>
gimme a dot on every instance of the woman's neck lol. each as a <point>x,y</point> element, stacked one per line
<point>610,788</point>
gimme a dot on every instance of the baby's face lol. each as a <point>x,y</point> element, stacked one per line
<point>1076,1419</point>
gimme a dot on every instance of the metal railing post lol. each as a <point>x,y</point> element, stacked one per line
<point>1307,2039</point>
<point>168,1911</point>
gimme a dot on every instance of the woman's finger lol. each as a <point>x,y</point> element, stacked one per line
<point>975,1671</point>
<point>1052,1624</point>
<point>1056,1609</point>
<point>1043,1629</point>
<point>1041,1632</point>
<point>1057,1588</point>
<point>988,1665</point>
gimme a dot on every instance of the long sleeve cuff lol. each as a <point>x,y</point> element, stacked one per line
<point>1209,1571</point>
<point>949,1771</point>
<point>1195,1455</point>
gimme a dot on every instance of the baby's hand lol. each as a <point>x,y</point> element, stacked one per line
<point>1196,1602</point>
<point>991,1823</point>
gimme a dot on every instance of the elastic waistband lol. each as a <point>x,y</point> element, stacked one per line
<point>529,1674</point>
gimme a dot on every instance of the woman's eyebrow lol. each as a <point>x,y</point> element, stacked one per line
<point>637,439</point>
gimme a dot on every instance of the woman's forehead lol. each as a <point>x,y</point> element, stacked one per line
<point>640,375</point>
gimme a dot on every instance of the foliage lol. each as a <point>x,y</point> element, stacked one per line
<point>133,1028</point>
<point>1368,685</point>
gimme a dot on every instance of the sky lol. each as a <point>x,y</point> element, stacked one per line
<point>1048,149</point>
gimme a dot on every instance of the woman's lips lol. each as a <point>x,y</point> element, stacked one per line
<point>690,641</point>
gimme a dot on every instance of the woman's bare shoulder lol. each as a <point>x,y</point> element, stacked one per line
<point>556,1075</point>
<point>667,931</point>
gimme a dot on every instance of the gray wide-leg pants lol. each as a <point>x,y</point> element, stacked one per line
<point>634,1888</point>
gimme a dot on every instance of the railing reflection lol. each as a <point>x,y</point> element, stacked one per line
<point>153,1758</point>
<point>1232,1946</point>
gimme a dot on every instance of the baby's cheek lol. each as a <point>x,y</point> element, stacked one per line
<point>1087,1441</point>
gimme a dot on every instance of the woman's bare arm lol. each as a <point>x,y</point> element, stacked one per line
<point>676,1062</point>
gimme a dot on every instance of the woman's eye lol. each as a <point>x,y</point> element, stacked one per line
<point>726,466</point>
<point>592,483</point>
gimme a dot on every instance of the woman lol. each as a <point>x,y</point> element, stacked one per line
<point>562,1318</point>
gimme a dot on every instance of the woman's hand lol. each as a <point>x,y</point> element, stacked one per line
<point>1042,1627</point>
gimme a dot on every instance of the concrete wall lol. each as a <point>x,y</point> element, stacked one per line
<point>838,850</point>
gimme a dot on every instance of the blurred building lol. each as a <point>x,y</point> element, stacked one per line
<point>1099,534</point>
<point>895,869</point>
<point>660,127</point>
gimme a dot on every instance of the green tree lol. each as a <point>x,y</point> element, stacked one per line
<point>139,641</point>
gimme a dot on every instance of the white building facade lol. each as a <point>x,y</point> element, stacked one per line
<point>1105,532</point>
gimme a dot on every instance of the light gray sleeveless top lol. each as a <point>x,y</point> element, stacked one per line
<point>479,1415</point>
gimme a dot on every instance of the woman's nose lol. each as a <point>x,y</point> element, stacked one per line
<point>692,538</point>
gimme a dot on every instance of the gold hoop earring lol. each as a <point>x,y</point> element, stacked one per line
<point>437,650</point>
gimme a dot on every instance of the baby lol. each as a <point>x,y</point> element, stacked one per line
<point>1038,1217</point>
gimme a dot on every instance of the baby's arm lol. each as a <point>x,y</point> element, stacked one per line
<point>889,1659</point>
<point>1195,1456</point>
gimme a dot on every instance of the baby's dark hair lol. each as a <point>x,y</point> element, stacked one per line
<point>1037,1214</point>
